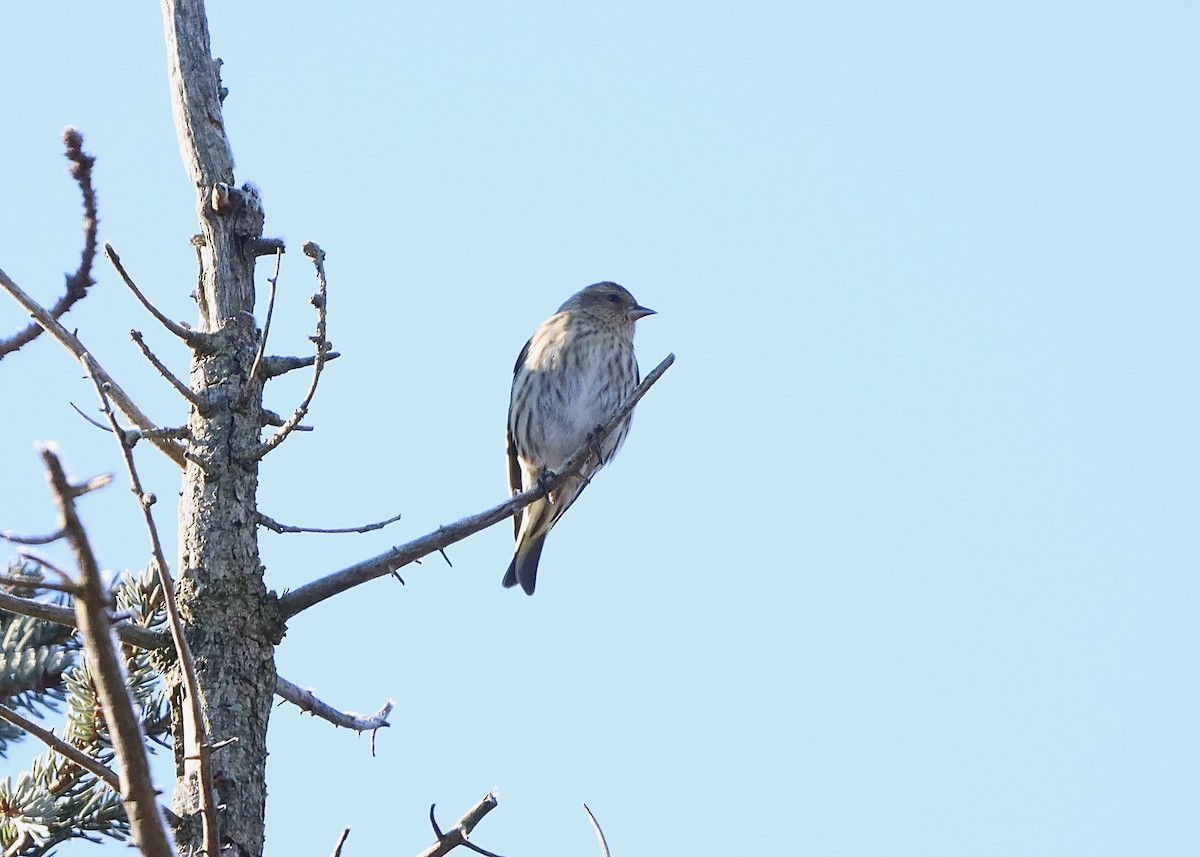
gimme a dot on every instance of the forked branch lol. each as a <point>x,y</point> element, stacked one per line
<point>458,835</point>
<point>70,341</point>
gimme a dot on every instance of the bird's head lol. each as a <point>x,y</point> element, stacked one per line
<point>608,301</point>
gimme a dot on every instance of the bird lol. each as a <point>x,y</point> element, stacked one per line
<point>568,381</point>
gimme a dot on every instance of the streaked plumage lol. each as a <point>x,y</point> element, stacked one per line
<point>570,378</point>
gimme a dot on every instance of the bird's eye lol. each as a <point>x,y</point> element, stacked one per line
<point>616,299</point>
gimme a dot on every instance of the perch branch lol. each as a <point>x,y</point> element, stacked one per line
<point>458,835</point>
<point>306,701</point>
<point>191,337</point>
<point>71,342</point>
<point>58,745</point>
<point>319,300</point>
<point>180,387</point>
<point>318,590</point>
<point>272,524</point>
<point>202,749</point>
<point>138,794</point>
<point>79,282</point>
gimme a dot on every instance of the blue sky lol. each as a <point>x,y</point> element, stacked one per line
<point>899,558</point>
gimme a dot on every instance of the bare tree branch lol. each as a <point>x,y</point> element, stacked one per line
<point>272,524</point>
<point>138,794</point>
<point>599,832</point>
<point>79,282</point>
<point>319,300</point>
<point>337,851</point>
<point>180,387</point>
<point>273,366</point>
<point>71,342</point>
<point>272,281</point>
<point>202,750</point>
<point>134,635</point>
<point>191,337</point>
<point>18,539</point>
<point>58,745</point>
<point>306,701</point>
<point>16,580</point>
<point>317,591</point>
<point>459,834</point>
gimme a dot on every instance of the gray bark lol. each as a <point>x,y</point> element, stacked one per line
<point>232,622</point>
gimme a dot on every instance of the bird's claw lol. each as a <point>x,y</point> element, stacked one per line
<point>544,479</point>
<point>594,437</point>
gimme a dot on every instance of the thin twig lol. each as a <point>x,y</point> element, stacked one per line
<point>337,851</point>
<point>306,701</point>
<point>18,539</point>
<point>272,524</point>
<point>599,832</point>
<point>91,420</point>
<point>180,387</point>
<point>191,337</point>
<point>58,745</point>
<point>71,342</point>
<point>319,301</point>
<point>459,834</point>
<point>68,587</point>
<point>202,750</point>
<point>272,281</point>
<point>68,583</point>
<point>134,635</point>
<point>138,794</point>
<point>79,282</point>
<point>318,590</point>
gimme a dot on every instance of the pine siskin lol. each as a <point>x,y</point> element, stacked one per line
<point>570,378</point>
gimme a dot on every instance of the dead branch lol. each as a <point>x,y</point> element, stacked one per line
<point>319,301</point>
<point>71,342</point>
<point>79,282</point>
<point>272,281</point>
<point>19,581</point>
<point>58,745</point>
<point>337,851</point>
<point>191,337</point>
<point>458,835</point>
<point>138,794</point>
<point>134,635</point>
<point>202,749</point>
<point>272,524</point>
<point>180,387</point>
<point>273,366</point>
<point>599,832</point>
<point>317,591</point>
<point>305,700</point>
<point>18,539</point>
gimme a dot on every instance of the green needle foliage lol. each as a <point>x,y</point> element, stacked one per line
<point>42,671</point>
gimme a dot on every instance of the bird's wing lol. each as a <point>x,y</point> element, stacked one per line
<point>514,479</point>
<point>514,466</point>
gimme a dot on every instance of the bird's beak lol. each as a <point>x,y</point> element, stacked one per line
<point>637,312</point>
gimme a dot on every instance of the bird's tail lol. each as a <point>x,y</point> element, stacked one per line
<point>524,565</point>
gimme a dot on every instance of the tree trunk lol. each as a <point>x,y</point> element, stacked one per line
<point>232,622</point>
